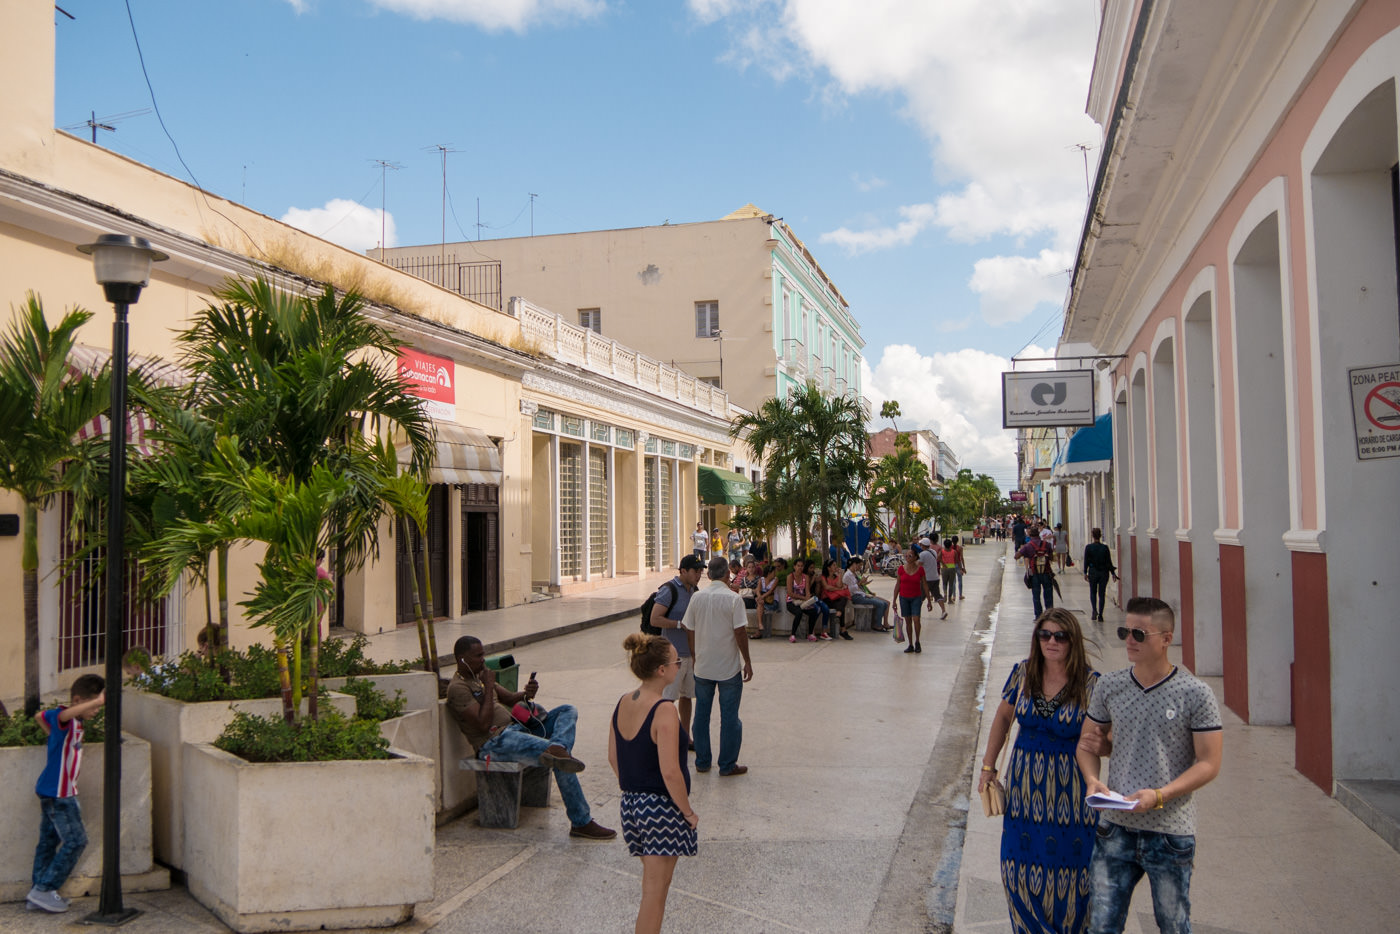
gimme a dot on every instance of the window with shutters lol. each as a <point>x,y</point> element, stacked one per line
<point>591,318</point>
<point>706,319</point>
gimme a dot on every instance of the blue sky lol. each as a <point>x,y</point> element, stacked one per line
<point>923,150</point>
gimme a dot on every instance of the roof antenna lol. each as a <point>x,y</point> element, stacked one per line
<point>95,123</point>
<point>384,167</point>
<point>442,258</point>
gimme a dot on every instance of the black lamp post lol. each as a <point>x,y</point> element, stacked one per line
<point>122,266</point>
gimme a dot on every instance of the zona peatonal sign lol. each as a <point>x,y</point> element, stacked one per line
<point>1375,408</point>
<point>1047,398</point>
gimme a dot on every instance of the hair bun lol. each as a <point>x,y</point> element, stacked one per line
<point>636,643</point>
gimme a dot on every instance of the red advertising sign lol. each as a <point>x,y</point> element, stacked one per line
<point>1018,496</point>
<point>430,378</point>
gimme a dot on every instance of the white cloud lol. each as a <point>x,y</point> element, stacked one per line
<point>950,394</point>
<point>298,5</point>
<point>871,183</point>
<point>996,86</point>
<point>917,218</point>
<point>1010,287</point>
<point>495,15</point>
<point>347,223</point>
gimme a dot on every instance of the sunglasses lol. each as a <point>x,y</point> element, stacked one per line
<point>1045,635</point>
<point>1139,635</point>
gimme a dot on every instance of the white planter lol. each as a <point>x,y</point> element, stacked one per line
<point>307,845</point>
<point>417,730</point>
<point>169,724</point>
<point>19,830</point>
<point>457,787</point>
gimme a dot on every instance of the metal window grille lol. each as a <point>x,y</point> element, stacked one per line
<point>570,510</point>
<point>665,489</point>
<point>597,510</point>
<point>155,625</point>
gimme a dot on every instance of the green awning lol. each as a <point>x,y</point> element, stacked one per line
<point>723,487</point>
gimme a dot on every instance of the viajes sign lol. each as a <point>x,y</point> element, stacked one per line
<point>430,378</point>
<point>1047,398</point>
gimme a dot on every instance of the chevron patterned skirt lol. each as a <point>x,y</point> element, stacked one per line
<point>652,825</point>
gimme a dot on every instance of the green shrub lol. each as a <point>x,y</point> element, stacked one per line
<point>371,703</point>
<point>331,738</point>
<point>19,730</point>
<point>252,673</point>
<point>343,658</point>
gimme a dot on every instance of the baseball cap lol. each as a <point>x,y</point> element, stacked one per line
<point>691,563</point>
<point>925,541</point>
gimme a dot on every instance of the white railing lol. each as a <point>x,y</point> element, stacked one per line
<point>795,355</point>
<point>581,347</point>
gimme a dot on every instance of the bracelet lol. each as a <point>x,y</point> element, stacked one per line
<point>988,768</point>
<point>1160,800</point>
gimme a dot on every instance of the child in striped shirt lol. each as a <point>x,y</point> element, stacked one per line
<point>61,834</point>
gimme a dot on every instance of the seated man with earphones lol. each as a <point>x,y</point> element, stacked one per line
<point>505,725</point>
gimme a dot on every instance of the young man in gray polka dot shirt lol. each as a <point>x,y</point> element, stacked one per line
<point>1167,742</point>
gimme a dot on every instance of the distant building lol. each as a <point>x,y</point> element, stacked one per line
<point>738,302</point>
<point>948,463</point>
<point>924,442</point>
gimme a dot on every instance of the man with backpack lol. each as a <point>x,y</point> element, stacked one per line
<point>1040,574</point>
<point>664,611</point>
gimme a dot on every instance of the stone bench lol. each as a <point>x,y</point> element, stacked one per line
<point>864,616</point>
<point>502,787</point>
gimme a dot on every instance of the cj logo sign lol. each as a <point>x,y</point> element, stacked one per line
<point>1049,393</point>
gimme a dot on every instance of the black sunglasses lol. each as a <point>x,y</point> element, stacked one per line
<point>1045,635</point>
<point>1139,635</point>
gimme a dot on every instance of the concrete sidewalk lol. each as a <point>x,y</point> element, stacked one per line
<point>1274,853</point>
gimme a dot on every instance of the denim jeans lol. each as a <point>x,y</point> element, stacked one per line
<point>517,744</point>
<point>61,841</point>
<point>731,729</point>
<point>1042,592</point>
<point>1098,587</point>
<point>1121,857</point>
<point>882,607</point>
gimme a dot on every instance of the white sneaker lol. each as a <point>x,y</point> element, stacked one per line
<point>46,901</point>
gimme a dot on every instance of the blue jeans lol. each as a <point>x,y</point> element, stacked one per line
<point>517,744</point>
<point>882,607</point>
<point>61,841</point>
<point>1121,857</point>
<point>731,729</point>
<point>1042,592</point>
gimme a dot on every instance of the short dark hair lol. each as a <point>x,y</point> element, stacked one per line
<point>88,686</point>
<point>1159,610</point>
<point>463,645</point>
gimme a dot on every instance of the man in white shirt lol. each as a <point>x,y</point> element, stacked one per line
<point>928,559</point>
<point>859,586</point>
<point>716,626</point>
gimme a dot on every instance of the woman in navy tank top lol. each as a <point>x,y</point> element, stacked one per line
<point>647,750</point>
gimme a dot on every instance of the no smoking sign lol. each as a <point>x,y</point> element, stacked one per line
<point>1375,404</point>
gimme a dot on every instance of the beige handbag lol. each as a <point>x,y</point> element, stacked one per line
<point>994,798</point>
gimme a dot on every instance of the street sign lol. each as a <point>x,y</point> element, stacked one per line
<point>1047,398</point>
<point>1018,496</point>
<point>1375,409</point>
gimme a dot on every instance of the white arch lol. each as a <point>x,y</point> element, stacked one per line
<point>1204,284</point>
<point>1166,331</point>
<point>1378,64</point>
<point>1272,198</point>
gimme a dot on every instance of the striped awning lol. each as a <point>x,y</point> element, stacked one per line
<point>139,426</point>
<point>463,455</point>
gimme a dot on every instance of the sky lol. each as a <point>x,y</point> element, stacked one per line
<point>933,154</point>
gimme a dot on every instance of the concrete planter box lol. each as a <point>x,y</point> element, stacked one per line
<point>457,787</point>
<point>302,846</point>
<point>417,730</point>
<point>168,725</point>
<point>19,830</point>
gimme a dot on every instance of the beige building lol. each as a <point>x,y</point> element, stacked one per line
<point>738,302</point>
<point>548,462</point>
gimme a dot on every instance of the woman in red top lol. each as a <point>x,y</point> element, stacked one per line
<point>912,589</point>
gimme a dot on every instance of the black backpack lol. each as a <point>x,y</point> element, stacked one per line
<point>647,626</point>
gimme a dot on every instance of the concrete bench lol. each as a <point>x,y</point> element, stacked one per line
<point>502,787</point>
<point>864,616</point>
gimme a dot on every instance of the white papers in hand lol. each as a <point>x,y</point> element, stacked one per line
<point>1110,801</point>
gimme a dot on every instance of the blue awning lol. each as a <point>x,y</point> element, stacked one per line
<point>1088,453</point>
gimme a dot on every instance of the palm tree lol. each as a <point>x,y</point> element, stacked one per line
<point>44,402</point>
<point>890,409</point>
<point>831,430</point>
<point>407,497</point>
<point>900,481</point>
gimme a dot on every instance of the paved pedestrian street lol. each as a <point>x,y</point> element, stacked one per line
<point>854,814</point>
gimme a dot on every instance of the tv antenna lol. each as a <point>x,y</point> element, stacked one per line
<point>533,196</point>
<point>384,166</point>
<point>1084,151</point>
<point>95,123</point>
<point>444,150</point>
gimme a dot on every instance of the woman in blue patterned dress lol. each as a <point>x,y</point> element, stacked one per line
<point>647,751</point>
<point>1047,833</point>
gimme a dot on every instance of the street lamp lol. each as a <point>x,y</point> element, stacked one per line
<point>122,266</point>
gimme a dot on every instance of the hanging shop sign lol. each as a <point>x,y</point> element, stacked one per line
<point>1018,496</point>
<point>1375,409</point>
<point>1047,398</point>
<point>431,379</point>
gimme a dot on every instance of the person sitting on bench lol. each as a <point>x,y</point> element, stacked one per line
<point>482,710</point>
